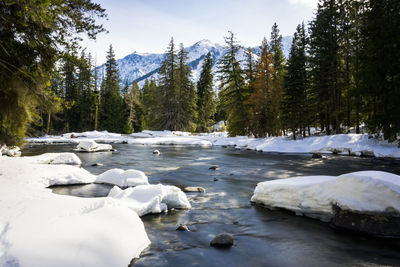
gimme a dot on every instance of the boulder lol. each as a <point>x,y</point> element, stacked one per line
<point>222,240</point>
<point>214,167</point>
<point>156,152</point>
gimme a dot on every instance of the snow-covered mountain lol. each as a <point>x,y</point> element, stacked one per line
<point>141,66</point>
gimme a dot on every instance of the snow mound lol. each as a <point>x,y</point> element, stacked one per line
<point>12,151</point>
<point>39,228</point>
<point>123,178</point>
<point>145,199</point>
<point>55,158</point>
<point>316,196</point>
<point>92,146</point>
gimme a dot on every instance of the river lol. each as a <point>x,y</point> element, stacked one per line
<point>262,237</point>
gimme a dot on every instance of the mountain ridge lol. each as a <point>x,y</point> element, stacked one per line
<point>141,66</point>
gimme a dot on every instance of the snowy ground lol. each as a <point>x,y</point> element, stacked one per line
<point>348,144</point>
<point>365,192</point>
<point>39,228</point>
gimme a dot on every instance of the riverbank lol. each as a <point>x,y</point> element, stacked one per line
<point>343,144</point>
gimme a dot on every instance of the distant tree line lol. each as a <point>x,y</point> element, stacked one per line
<point>342,72</point>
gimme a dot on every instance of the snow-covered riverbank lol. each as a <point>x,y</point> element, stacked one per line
<point>40,228</point>
<point>347,144</point>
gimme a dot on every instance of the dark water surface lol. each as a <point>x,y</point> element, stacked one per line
<point>262,237</point>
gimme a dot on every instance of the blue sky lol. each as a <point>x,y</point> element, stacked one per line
<point>148,25</point>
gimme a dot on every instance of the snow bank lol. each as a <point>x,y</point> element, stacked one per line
<point>54,158</point>
<point>145,199</point>
<point>348,144</point>
<point>92,146</point>
<point>76,138</point>
<point>123,178</point>
<point>39,228</point>
<point>315,196</point>
<point>171,141</point>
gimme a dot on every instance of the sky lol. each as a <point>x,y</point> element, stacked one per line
<point>146,26</point>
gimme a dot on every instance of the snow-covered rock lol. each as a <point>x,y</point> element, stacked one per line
<point>11,151</point>
<point>39,228</point>
<point>316,196</point>
<point>123,178</point>
<point>145,199</point>
<point>92,146</point>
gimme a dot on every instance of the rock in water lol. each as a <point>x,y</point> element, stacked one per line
<point>194,189</point>
<point>183,227</point>
<point>215,179</point>
<point>96,164</point>
<point>156,152</point>
<point>222,240</point>
<point>214,167</point>
<point>380,225</point>
<point>316,156</point>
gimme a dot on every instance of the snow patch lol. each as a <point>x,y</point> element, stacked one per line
<point>123,178</point>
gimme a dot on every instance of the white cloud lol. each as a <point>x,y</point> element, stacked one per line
<point>310,3</point>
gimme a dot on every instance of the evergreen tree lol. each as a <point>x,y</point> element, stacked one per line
<point>206,102</point>
<point>185,89</point>
<point>381,67</point>
<point>111,113</point>
<point>278,61</point>
<point>133,99</point>
<point>87,98</point>
<point>166,110</point>
<point>294,102</point>
<point>71,94</point>
<point>325,65</point>
<point>233,93</point>
<point>150,103</point>
<point>34,35</point>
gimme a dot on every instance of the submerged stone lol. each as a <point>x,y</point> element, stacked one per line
<point>222,240</point>
<point>194,189</point>
<point>183,227</point>
<point>214,167</point>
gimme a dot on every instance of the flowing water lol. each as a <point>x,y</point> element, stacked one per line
<point>262,237</point>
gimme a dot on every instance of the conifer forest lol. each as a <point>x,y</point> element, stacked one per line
<point>343,72</point>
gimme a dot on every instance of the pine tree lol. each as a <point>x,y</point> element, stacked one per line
<point>278,62</point>
<point>133,99</point>
<point>87,98</point>
<point>150,103</point>
<point>233,93</point>
<point>206,102</point>
<point>71,94</point>
<point>381,67</point>
<point>111,113</point>
<point>34,36</point>
<point>324,50</point>
<point>166,111</point>
<point>185,89</point>
<point>294,102</point>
